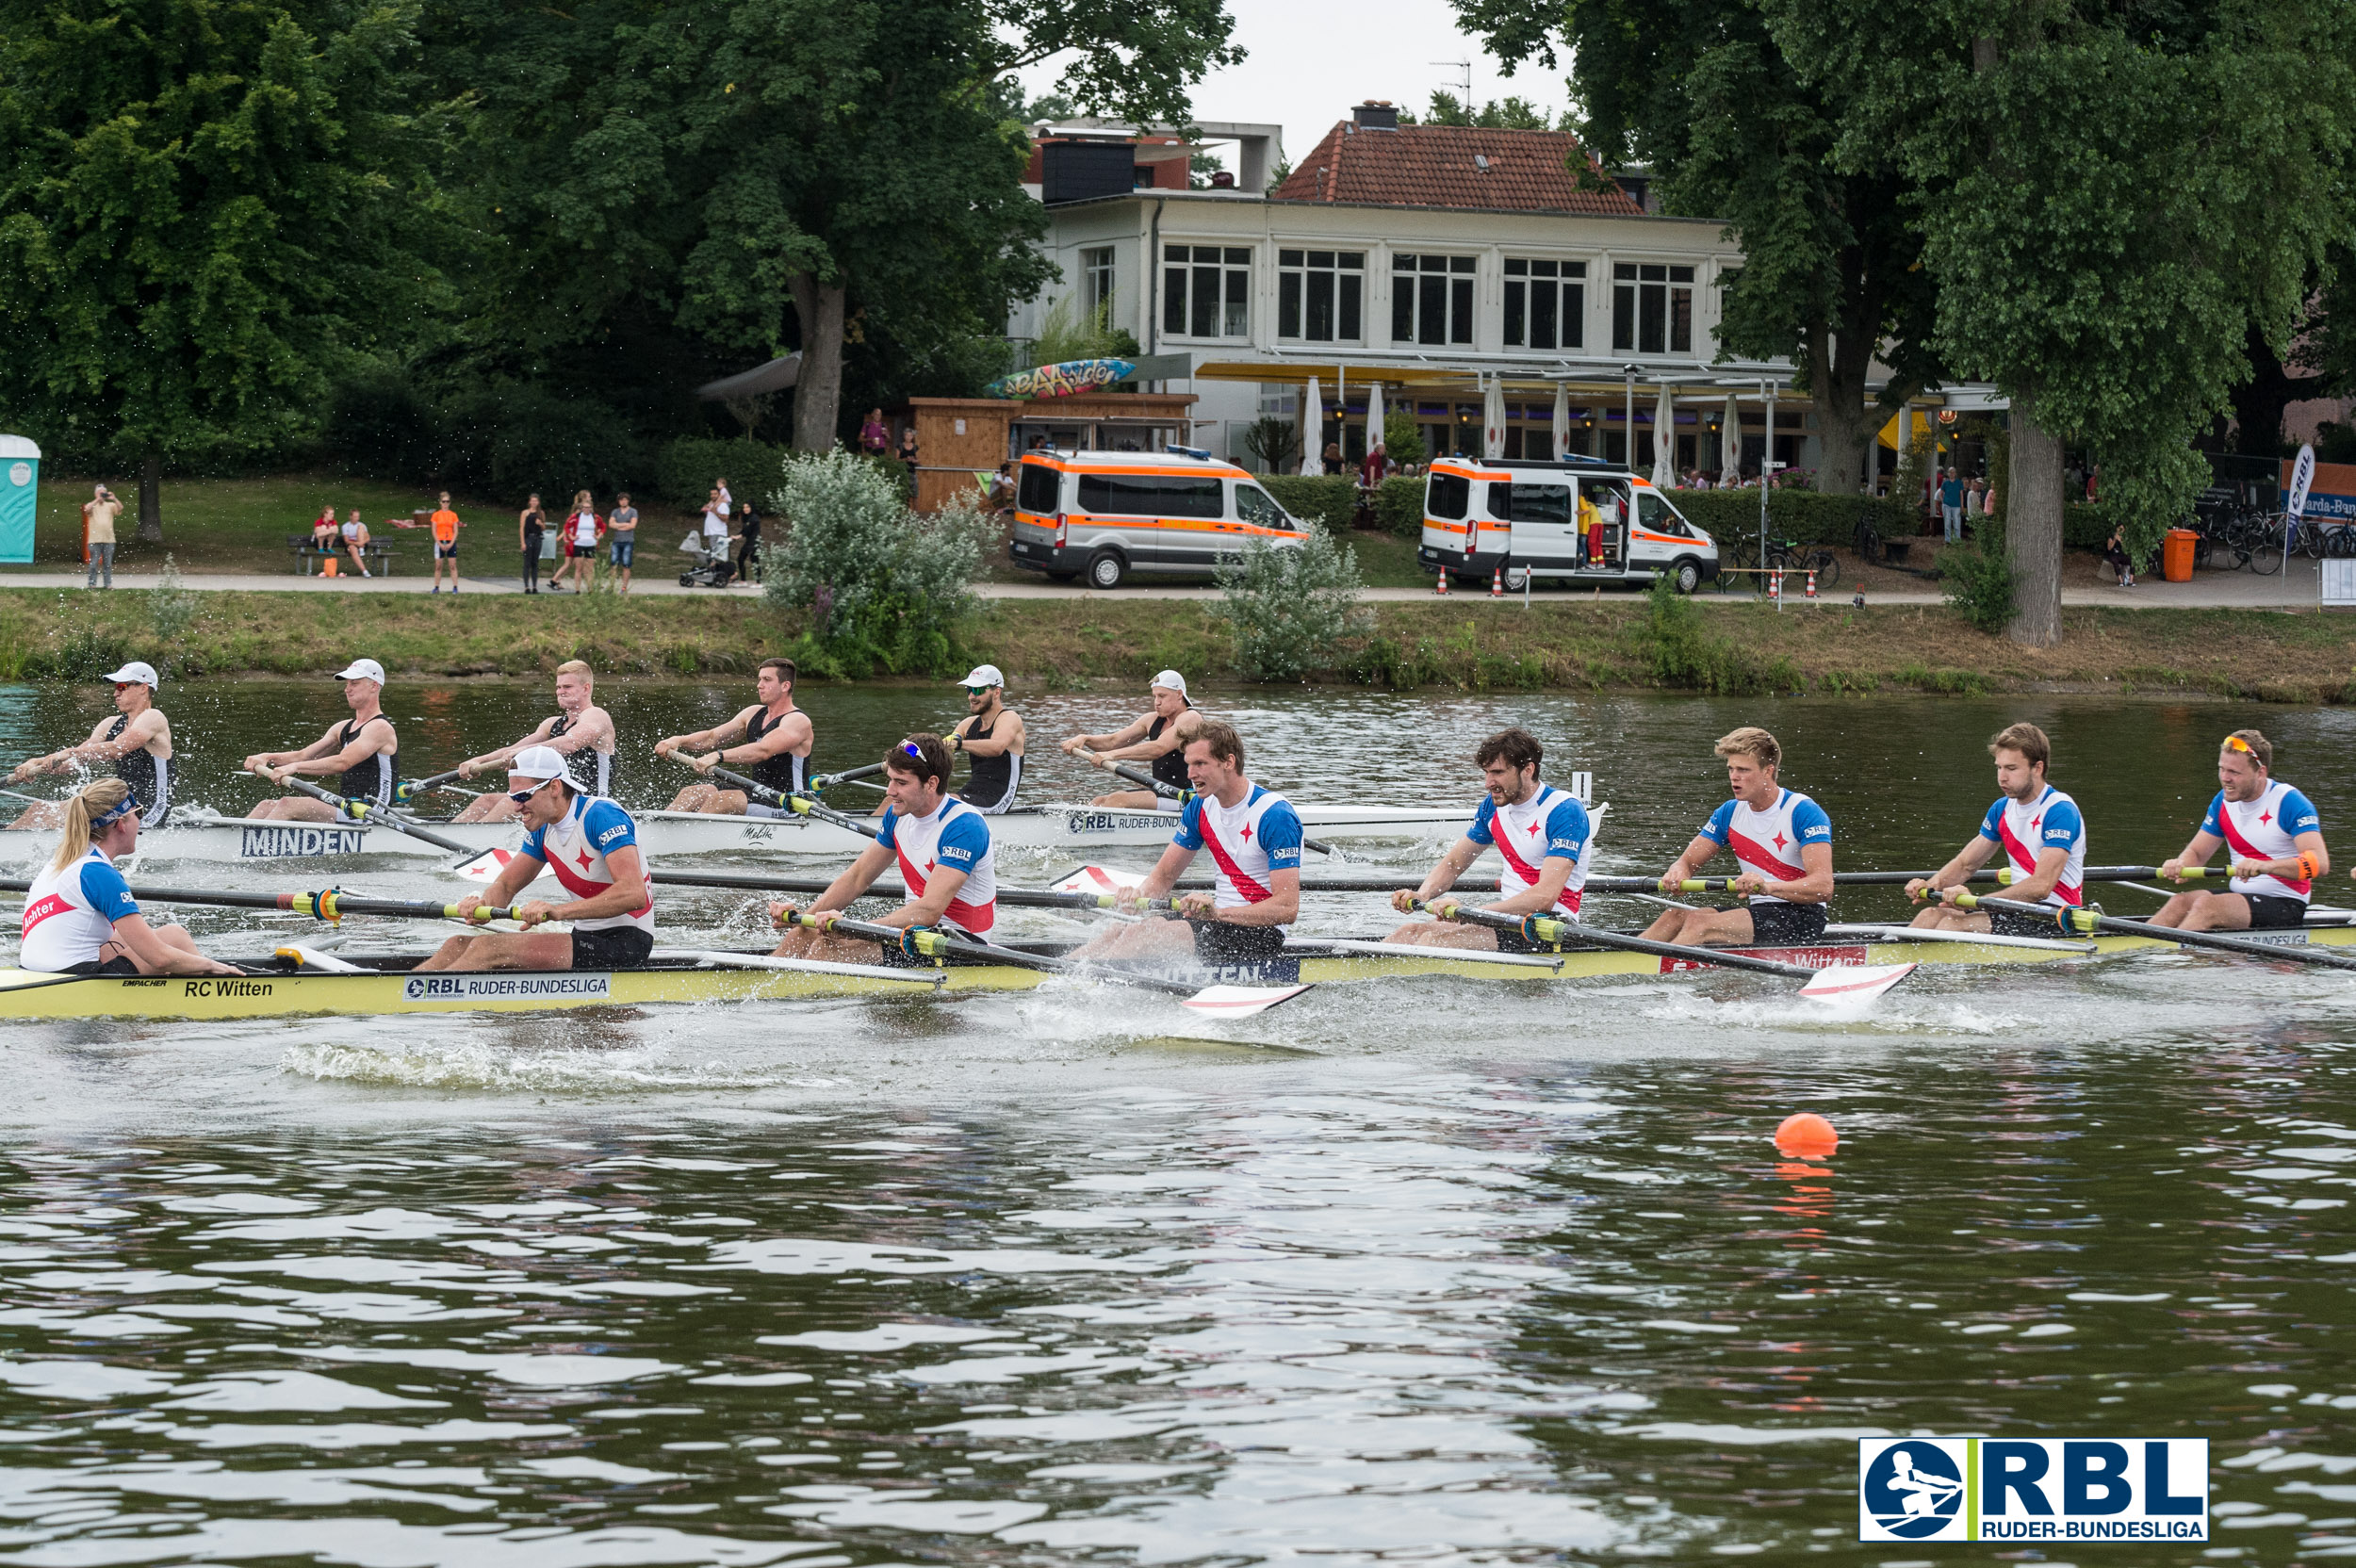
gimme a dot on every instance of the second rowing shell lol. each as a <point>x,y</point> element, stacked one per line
<point>667,834</point>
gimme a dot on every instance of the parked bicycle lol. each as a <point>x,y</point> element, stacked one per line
<point>2249,536</point>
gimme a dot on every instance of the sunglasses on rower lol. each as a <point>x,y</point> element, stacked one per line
<point>524,796</point>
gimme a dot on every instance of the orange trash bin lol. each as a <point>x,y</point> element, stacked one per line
<point>2176,554</point>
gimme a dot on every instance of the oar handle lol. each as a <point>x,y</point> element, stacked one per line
<point>920,941</point>
<point>848,775</point>
<point>800,804</point>
<point>410,789</point>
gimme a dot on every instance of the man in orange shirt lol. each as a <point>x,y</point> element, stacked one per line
<point>446,527</point>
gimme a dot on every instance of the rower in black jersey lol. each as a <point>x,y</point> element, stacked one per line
<point>136,738</point>
<point>769,742</point>
<point>582,733</point>
<point>991,734</point>
<point>1158,740</point>
<point>364,753</point>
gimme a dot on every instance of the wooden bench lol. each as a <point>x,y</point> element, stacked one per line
<point>378,554</point>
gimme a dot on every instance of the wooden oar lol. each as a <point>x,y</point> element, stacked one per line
<point>1217,1001</point>
<point>1171,792</point>
<point>1842,982</point>
<point>330,905</point>
<point>363,811</point>
<point>2091,918</point>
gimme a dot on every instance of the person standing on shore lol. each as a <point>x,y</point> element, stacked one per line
<point>747,541</point>
<point>446,527</point>
<point>1951,506</point>
<point>531,524</point>
<point>716,524</point>
<point>621,532</point>
<point>584,528</point>
<point>98,534</point>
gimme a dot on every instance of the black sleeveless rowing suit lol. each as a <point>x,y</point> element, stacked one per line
<point>781,773</point>
<point>149,775</point>
<point>371,781</point>
<point>592,771</point>
<point>1170,766</point>
<point>990,788</point>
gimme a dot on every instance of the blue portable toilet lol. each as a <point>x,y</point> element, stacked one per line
<point>20,482</point>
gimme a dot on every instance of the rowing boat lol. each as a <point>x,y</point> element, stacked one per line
<point>280,987</point>
<point>197,835</point>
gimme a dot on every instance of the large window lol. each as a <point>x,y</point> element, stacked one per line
<point>1035,490</point>
<point>1652,308</point>
<point>1447,496</point>
<point>1096,270</point>
<point>1546,304</point>
<point>1531,503</point>
<point>1432,299</point>
<point>1320,295</point>
<point>1207,290</point>
<point>1150,496</point>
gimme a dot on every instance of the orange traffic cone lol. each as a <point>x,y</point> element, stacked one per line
<point>1497,583</point>
<point>1811,584</point>
<point>1440,587</point>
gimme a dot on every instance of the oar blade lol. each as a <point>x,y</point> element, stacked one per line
<point>487,866</point>
<point>1093,880</point>
<point>1239,1001</point>
<point>1850,984</point>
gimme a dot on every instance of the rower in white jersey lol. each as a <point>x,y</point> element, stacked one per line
<point>591,845</point>
<point>1784,842</point>
<point>580,732</point>
<point>80,917</point>
<point>2275,838</point>
<point>1255,838</point>
<point>2040,831</point>
<point>942,847</point>
<point>1542,834</point>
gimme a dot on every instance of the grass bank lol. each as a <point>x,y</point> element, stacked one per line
<point>1622,643</point>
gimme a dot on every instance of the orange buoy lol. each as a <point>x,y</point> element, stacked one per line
<point>1806,1135</point>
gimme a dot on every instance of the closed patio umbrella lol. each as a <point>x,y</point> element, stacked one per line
<point>1313,432</point>
<point>1374,414</point>
<point>1664,439</point>
<point>1730,444</point>
<point>1492,421</point>
<point>1561,421</point>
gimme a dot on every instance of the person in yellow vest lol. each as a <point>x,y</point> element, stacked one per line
<point>1590,528</point>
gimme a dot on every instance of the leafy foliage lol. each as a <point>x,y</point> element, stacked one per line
<point>1681,650</point>
<point>1092,336</point>
<point>684,470</point>
<point>1979,580</point>
<point>884,586</point>
<point>1290,606</point>
<point>1399,507</point>
<point>1509,113</point>
<point>1807,515</point>
<point>1403,438</point>
<point>1329,499</point>
<point>1275,442</point>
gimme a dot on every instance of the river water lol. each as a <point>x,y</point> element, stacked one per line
<point>1420,1270</point>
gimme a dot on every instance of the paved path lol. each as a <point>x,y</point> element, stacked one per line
<point>2295,588</point>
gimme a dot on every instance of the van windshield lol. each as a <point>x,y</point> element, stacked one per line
<point>1258,508</point>
<point>1655,512</point>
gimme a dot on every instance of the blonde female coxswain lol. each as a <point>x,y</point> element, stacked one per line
<point>79,915</point>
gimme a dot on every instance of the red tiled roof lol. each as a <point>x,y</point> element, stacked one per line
<point>1431,166</point>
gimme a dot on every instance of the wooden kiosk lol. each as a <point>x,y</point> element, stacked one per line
<point>960,441</point>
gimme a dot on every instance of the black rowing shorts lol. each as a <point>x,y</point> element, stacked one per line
<point>1786,924</point>
<point>2269,912</point>
<point>1217,942</point>
<point>612,947</point>
<point>121,965</point>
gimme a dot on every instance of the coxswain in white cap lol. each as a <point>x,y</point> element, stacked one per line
<point>363,753</point>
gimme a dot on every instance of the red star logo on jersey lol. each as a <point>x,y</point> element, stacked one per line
<point>1781,840</point>
<point>583,859</point>
<point>2036,822</point>
<point>1247,833</point>
<point>929,867</point>
<point>2264,817</point>
<point>1531,830</point>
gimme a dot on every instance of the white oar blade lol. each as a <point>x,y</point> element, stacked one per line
<point>1854,982</point>
<point>487,866</point>
<point>1094,879</point>
<point>1239,1001</point>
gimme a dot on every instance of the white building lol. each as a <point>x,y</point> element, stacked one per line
<point>1433,261</point>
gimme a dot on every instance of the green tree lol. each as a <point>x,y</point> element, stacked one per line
<point>1700,91</point>
<point>2110,197</point>
<point>1499,114</point>
<point>721,160</point>
<point>205,206</point>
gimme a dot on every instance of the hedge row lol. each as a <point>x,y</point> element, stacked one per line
<point>1805,515</point>
<point>1328,498</point>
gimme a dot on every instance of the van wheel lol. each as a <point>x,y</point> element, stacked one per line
<point>1686,573</point>
<point>1106,569</point>
<point>1516,578</point>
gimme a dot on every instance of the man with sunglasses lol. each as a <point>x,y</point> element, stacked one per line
<point>591,844</point>
<point>992,735</point>
<point>2276,839</point>
<point>769,742</point>
<point>942,846</point>
<point>137,740</point>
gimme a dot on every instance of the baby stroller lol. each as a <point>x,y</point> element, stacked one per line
<point>710,570</point>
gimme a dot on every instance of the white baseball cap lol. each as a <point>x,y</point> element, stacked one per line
<point>1174,680</point>
<point>983,675</point>
<point>144,674</point>
<point>362,669</point>
<point>539,764</point>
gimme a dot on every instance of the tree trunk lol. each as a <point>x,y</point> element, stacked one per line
<point>818,390</point>
<point>2032,529</point>
<point>151,499</point>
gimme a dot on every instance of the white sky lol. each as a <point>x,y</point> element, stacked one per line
<point>1307,63</point>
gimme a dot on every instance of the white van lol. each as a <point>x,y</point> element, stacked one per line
<point>1524,517</point>
<point>1107,515</point>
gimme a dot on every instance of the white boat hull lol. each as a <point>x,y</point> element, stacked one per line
<point>670,834</point>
